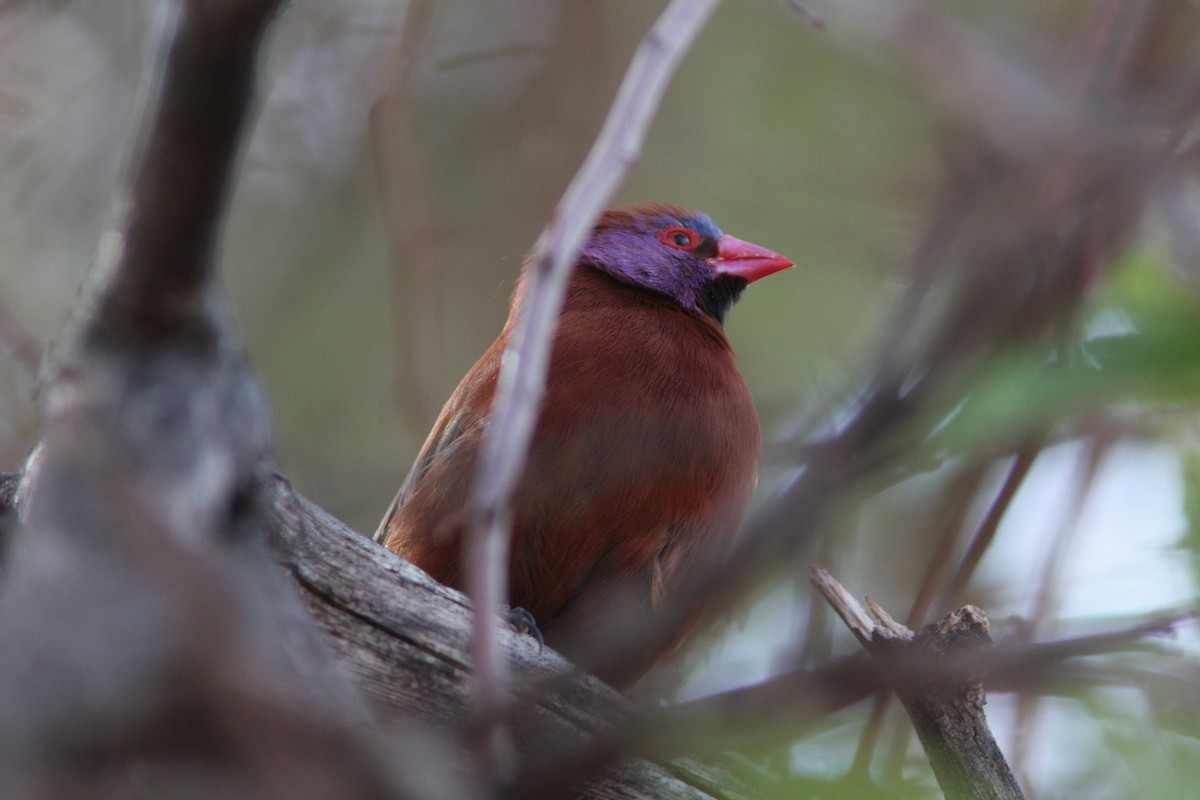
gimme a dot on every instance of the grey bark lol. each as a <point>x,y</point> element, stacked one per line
<point>942,694</point>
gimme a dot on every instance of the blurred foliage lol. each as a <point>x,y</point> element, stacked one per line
<point>362,315</point>
<point>1151,363</point>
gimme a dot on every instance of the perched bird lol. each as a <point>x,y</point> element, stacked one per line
<point>646,450</point>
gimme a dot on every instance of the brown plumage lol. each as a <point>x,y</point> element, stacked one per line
<point>646,450</point>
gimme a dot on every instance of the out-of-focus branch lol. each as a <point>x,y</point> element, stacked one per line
<point>522,378</point>
<point>21,347</point>
<point>807,14</point>
<point>801,700</point>
<point>1046,601</point>
<point>412,236</point>
<point>804,696</point>
<point>985,534</point>
<point>156,270</point>
<point>147,642</point>
<point>1033,216</point>
<point>980,542</point>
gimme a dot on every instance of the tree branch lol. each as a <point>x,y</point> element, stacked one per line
<point>948,715</point>
<point>523,375</point>
<point>156,272</point>
<point>405,640</point>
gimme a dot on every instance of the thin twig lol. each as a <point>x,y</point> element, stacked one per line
<point>807,14</point>
<point>961,495</point>
<point>947,715</point>
<point>961,492</point>
<point>1009,666</point>
<point>523,375</point>
<point>800,699</point>
<point>412,236</point>
<point>986,533</point>
<point>1047,597</point>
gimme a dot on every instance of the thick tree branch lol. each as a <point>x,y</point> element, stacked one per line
<point>405,640</point>
<point>146,638</point>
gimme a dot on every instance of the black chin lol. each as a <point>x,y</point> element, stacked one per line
<point>718,295</point>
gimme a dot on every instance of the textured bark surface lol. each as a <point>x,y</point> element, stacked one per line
<point>404,640</point>
<point>938,678</point>
<point>949,716</point>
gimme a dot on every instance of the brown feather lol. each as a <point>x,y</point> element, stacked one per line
<point>644,457</point>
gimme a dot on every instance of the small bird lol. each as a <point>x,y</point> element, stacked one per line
<point>646,449</point>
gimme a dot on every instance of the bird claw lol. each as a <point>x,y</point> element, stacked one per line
<point>524,622</point>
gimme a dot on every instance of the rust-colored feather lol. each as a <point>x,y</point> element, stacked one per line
<point>644,457</point>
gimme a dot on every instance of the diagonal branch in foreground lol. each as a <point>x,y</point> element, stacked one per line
<point>523,375</point>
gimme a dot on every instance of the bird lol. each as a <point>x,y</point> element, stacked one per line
<point>646,449</point>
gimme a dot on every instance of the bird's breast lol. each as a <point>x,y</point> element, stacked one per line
<point>651,420</point>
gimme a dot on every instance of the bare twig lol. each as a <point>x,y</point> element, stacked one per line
<point>522,377</point>
<point>985,534</point>
<point>1047,596</point>
<point>807,14</point>
<point>1009,666</point>
<point>960,494</point>
<point>865,627</point>
<point>412,236</point>
<point>948,715</point>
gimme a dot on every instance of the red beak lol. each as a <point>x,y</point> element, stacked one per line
<point>745,260</point>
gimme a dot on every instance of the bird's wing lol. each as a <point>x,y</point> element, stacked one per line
<point>465,411</point>
<point>440,439</point>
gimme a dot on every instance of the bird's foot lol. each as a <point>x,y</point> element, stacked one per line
<point>524,622</point>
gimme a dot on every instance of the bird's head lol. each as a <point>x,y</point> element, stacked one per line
<point>677,253</point>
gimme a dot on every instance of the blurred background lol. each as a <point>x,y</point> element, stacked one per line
<point>405,158</point>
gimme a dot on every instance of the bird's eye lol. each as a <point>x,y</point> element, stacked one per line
<point>679,237</point>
